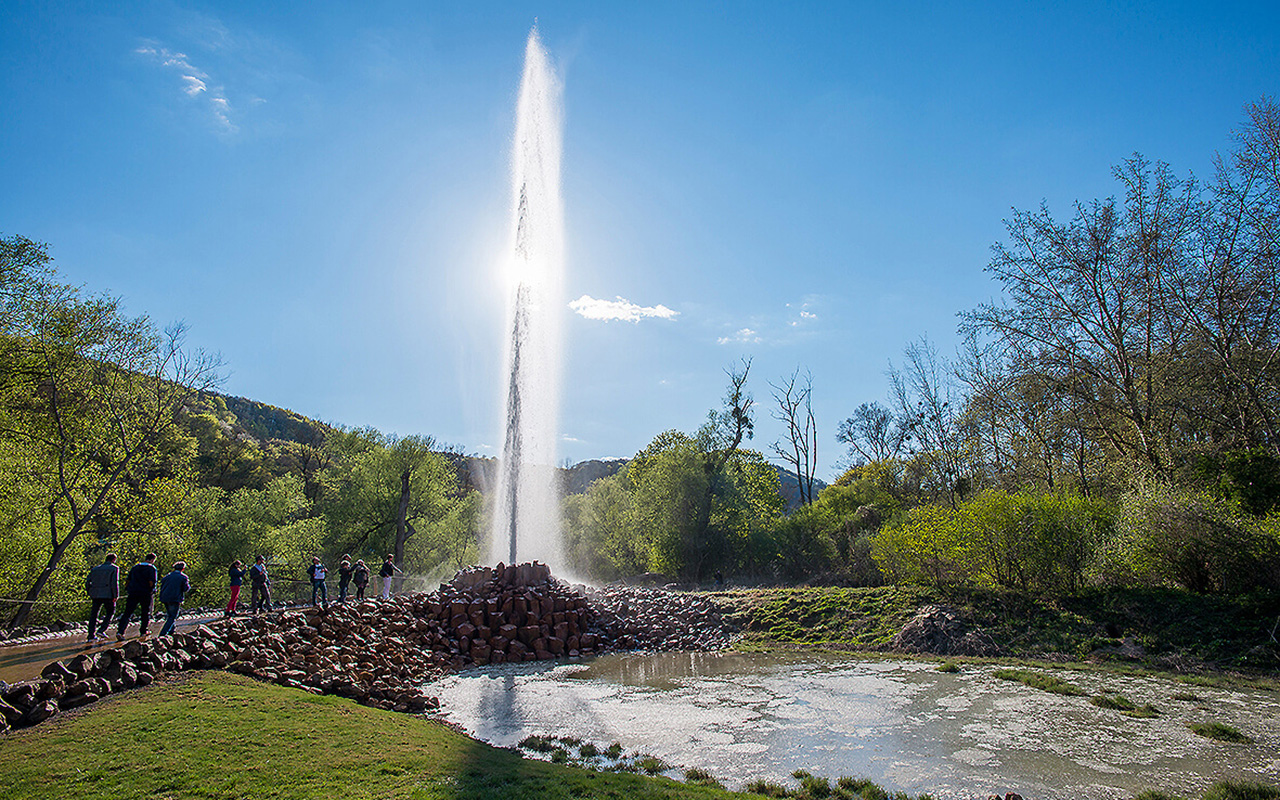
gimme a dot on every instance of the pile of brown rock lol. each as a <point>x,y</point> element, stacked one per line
<point>654,619</point>
<point>381,652</point>
<point>88,677</point>
<point>941,630</point>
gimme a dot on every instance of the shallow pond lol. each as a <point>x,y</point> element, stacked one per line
<point>901,723</point>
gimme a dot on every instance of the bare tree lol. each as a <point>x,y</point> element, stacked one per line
<point>800,447</point>
<point>1087,304</point>
<point>929,405</point>
<point>872,432</point>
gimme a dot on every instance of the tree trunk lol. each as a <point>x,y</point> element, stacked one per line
<point>403,529</point>
<point>23,613</point>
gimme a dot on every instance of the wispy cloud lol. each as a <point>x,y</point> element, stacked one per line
<point>608,310</point>
<point>743,336</point>
<point>194,82</point>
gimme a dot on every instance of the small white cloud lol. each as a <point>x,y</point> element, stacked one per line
<point>808,315</point>
<point>744,336</point>
<point>564,437</point>
<point>607,310</point>
<point>195,82</point>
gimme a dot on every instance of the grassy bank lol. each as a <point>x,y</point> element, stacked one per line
<point>1174,629</point>
<point>220,735</point>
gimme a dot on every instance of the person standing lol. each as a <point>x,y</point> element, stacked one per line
<point>388,574</point>
<point>360,577</point>
<point>139,588</point>
<point>173,590</point>
<point>318,573</point>
<point>260,586</point>
<point>236,573</point>
<point>344,578</point>
<point>103,587</point>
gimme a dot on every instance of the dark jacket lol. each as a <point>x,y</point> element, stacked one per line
<point>344,574</point>
<point>360,575</point>
<point>142,579</point>
<point>388,569</point>
<point>258,574</point>
<point>103,582</point>
<point>174,587</point>
<point>236,575</point>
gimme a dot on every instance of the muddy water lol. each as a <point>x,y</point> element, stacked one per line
<point>901,723</point>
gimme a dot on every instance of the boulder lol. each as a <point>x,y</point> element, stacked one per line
<point>10,714</point>
<point>41,711</point>
<point>57,671</point>
<point>83,665</point>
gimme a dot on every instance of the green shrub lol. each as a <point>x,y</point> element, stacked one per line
<point>1231,790</point>
<point>700,777</point>
<point>1116,701</point>
<point>1030,542</point>
<point>652,765</point>
<point>1219,731</point>
<point>1167,537</point>
<point>1038,680</point>
<point>948,666</point>
<point>767,789</point>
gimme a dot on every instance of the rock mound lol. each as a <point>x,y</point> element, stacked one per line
<point>382,652</point>
<point>941,630</point>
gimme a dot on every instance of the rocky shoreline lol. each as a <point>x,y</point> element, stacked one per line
<point>382,652</point>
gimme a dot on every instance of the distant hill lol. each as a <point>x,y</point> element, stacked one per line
<point>790,487</point>
<point>265,422</point>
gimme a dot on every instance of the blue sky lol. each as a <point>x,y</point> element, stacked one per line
<point>320,190</point>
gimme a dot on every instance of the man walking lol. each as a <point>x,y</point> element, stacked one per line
<point>173,590</point>
<point>103,587</point>
<point>138,588</point>
<point>260,584</point>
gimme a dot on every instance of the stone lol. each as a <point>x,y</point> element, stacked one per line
<point>22,696</point>
<point>40,712</point>
<point>67,702</point>
<point>83,665</point>
<point>10,714</point>
<point>57,671</point>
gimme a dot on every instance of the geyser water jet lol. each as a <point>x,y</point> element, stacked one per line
<point>526,512</point>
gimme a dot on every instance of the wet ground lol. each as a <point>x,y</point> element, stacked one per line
<point>901,723</point>
<point>23,662</point>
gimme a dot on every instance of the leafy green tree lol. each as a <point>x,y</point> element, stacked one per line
<point>602,535</point>
<point>381,493</point>
<point>89,407</point>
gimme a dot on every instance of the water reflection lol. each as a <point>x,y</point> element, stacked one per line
<point>903,724</point>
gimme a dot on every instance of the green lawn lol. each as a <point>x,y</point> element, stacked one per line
<point>220,735</point>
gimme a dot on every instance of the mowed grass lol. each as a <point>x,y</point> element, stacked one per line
<point>221,735</point>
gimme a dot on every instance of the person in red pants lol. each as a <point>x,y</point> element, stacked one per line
<point>236,572</point>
